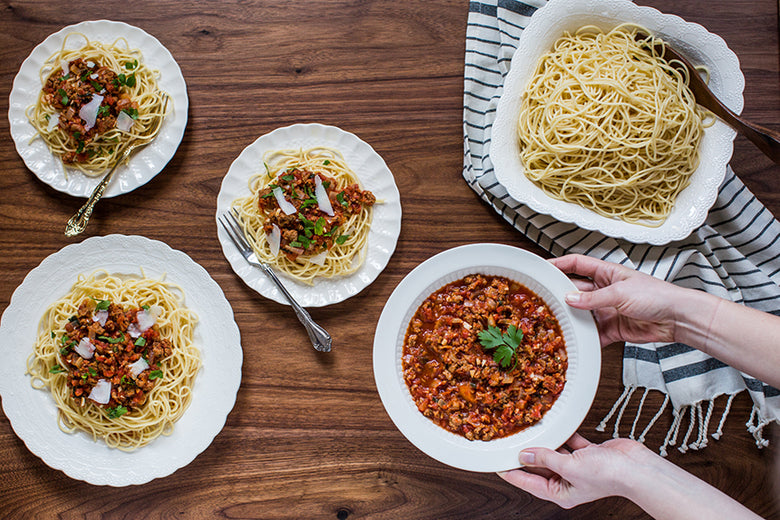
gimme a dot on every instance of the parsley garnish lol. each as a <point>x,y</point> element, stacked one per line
<point>130,65</point>
<point>341,239</point>
<point>102,305</point>
<point>140,342</point>
<point>340,198</point>
<point>155,374</point>
<point>132,112</point>
<point>64,95</point>
<point>117,411</point>
<point>505,344</point>
<point>120,339</point>
<point>326,162</point>
<point>56,369</point>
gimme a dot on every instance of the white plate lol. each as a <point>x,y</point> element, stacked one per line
<point>32,412</point>
<point>374,175</point>
<point>146,162</point>
<point>578,327</point>
<point>702,47</point>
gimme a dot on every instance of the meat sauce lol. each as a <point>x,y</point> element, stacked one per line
<point>309,230</point>
<point>458,384</point>
<point>118,343</point>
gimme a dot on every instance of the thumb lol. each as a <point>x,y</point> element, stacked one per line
<point>591,300</point>
<point>543,458</point>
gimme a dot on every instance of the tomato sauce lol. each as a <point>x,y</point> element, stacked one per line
<point>456,382</point>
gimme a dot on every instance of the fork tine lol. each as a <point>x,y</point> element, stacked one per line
<point>236,232</point>
<point>231,233</point>
<point>236,224</point>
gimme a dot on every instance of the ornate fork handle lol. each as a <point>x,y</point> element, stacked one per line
<point>319,337</point>
<point>78,222</point>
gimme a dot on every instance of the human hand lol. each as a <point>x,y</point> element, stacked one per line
<point>628,305</point>
<point>586,473</point>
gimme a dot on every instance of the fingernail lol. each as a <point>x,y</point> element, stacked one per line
<point>527,457</point>
<point>572,297</point>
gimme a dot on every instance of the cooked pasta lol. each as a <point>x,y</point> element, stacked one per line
<point>86,342</point>
<point>307,214</point>
<point>95,100</point>
<point>606,123</point>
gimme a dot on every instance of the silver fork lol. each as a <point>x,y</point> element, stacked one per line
<point>319,337</point>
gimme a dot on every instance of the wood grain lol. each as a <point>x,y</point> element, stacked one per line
<point>308,437</point>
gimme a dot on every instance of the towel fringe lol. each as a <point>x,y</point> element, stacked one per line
<point>603,424</point>
<point>755,426</point>
<point>671,435</point>
<point>691,423</point>
<point>726,411</point>
<point>655,418</point>
<point>638,413</point>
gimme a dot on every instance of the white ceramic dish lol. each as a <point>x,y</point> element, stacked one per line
<point>692,40</point>
<point>374,176</point>
<point>145,163</point>
<point>582,346</point>
<point>32,412</point>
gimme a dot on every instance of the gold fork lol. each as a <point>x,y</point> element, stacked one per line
<point>79,221</point>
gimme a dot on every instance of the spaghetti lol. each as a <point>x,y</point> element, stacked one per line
<point>95,100</point>
<point>606,123</point>
<point>117,355</point>
<point>307,214</point>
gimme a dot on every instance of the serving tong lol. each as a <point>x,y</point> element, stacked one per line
<point>768,141</point>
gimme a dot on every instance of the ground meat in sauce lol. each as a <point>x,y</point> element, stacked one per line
<point>310,231</point>
<point>115,350</point>
<point>67,93</point>
<point>456,382</point>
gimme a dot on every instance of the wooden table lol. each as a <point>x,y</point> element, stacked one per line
<point>308,436</point>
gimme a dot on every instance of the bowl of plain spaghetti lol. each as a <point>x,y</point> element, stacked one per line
<point>593,130</point>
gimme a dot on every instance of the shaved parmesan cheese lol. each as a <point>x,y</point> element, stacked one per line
<point>90,64</point>
<point>147,319</point>
<point>322,196</point>
<point>284,205</point>
<point>274,239</point>
<point>65,68</point>
<point>133,330</point>
<point>89,111</point>
<point>124,122</point>
<point>93,76</point>
<point>100,317</point>
<point>53,122</point>
<point>85,348</point>
<point>319,259</point>
<point>138,367</point>
<point>101,392</point>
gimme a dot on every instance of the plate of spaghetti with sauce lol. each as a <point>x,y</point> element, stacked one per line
<point>594,127</point>
<point>319,206</point>
<point>85,94</point>
<point>106,379</point>
<point>477,356</point>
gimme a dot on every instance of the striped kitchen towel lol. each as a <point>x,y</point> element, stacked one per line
<point>735,254</point>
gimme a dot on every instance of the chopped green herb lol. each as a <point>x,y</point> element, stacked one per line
<point>326,162</point>
<point>319,226</point>
<point>140,342</point>
<point>130,65</point>
<point>132,112</point>
<point>288,178</point>
<point>64,96</point>
<point>155,374</point>
<point>103,110</point>
<point>56,369</point>
<point>116,412</point>
<point>340,199</point>
<point>120,339</point>
<point>92,372</point>
<point>341,239</point>
<point>505,344</point>
<point>145,307</point>
<point>308,202</point>
<point>102,305</point>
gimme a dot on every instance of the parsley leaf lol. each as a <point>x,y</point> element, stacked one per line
<point>505,344</point>
<point>155,374</point>
<point>117,411</point>
<point>56,369</point>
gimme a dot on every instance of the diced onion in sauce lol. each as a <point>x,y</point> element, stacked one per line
<point>322,196</point>
<point>101,392</point>
<point>284,205</point>
<point>85,348</point>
